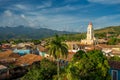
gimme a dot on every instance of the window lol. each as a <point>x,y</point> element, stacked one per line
<point>114,75</point>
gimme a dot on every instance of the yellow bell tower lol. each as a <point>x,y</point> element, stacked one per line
<point>90,33</point>
<point>90,40</point>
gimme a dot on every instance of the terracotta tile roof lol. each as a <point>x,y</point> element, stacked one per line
<point>14,55</point>
<point>28,59</point>
<point>41,48</point>
<point>114,64</point>
<point>5,54</point>
<point>7,60</point>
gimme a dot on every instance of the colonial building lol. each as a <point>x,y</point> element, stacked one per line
<point>90,40</point>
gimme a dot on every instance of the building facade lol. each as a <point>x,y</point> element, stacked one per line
<point>114,70</point>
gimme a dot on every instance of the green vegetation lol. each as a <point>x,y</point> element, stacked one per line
<point>100,35</point>
<point>108,32</point>
<point>80,54</point>
<point>36,41</point>
<point>113,41</point>
<point>22,32</point>
<point>90,66</point>
<point>114,58</point>
<point>74,37</point>
<point>58,49</point>
<point>43,71</point>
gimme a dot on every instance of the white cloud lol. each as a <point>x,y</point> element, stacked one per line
<point>10,19</point>
<point>20,6</point>
<point>24,7</point>
<point>8,13</point>
<point>59,22</point>
<point>55,10</point>
<point>105,21</point>
<point>45,5</point>
<point>106,1</point>
<point>59,9</point>
<point>56,22</point>
<point>23,16</point>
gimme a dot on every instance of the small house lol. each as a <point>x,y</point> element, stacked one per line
<point>115,70</point>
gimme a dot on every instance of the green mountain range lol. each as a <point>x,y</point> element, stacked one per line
<point>22,32</point>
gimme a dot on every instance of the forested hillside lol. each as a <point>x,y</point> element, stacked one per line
<point>112,31</point>
<point>22,32</point>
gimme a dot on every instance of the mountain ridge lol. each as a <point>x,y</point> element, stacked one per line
<point>21,32</point>
<point>113,31</point>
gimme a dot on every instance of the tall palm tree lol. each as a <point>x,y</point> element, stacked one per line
<point>58,49</point>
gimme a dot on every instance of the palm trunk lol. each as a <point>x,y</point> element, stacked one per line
<point>58,69</point>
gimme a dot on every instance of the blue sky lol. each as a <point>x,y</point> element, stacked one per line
<point>67,15</point>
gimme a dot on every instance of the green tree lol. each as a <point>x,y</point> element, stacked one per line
<point>115,58</point>
<point>92,66</point>
<point>58,49</point>
<point>80,54</point>
<point>43,71</point>
<point>36,42</point>
<point>18,41</point>
<point>113,41</point>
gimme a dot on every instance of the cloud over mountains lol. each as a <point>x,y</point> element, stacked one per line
<point>69,15</point>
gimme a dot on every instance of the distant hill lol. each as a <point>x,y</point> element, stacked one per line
<point>110,29</point>
<point>22,32</point>
<point>113,31</point>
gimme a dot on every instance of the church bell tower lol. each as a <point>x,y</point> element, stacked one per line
<point>90,33</point>
<point>90,40</point>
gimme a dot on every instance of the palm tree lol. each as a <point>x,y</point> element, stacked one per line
<point>58,49</point>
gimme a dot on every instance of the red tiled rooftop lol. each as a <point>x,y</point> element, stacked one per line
<point>5,54</point>
<point>114,64</point>
<point>41,48</point>
<point>28,59</point>
<point>14,55</point>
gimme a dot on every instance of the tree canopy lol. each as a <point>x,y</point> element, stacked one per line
<point>115,58</point>
<point>92,66</point>
<point>57,48</point>
<point>43,71</point>
<point>113,41</point>
<point>80,54</point>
